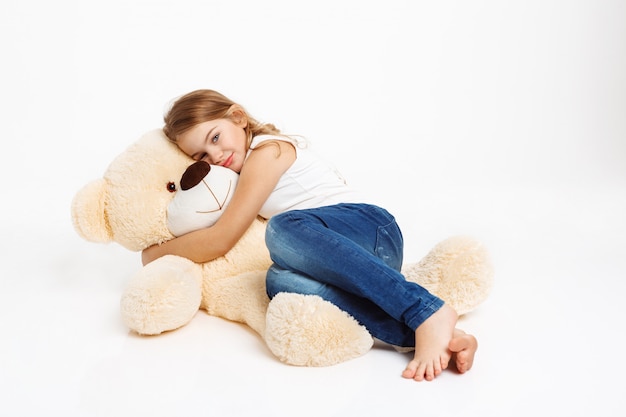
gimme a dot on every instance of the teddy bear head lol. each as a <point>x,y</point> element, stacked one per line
<point>130,203</point>
<point>205,191</point>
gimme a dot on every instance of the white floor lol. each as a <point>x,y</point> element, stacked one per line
<point>502,120</point>
<point>551,333</point>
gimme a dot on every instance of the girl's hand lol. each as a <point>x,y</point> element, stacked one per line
<point>149,254</point>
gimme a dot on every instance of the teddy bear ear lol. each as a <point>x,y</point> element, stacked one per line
<point>88,213</point>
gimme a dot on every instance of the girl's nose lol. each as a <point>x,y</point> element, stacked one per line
<point>215,156</point>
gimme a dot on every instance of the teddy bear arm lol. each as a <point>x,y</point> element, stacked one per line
<point>164,295</point>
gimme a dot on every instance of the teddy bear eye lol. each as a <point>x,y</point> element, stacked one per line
<point>171,187</point>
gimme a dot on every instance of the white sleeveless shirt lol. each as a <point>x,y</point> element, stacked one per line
<point>310,182</point>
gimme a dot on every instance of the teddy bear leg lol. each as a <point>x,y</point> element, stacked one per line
<point>307,330</point>
<point>164,295</point>
<point>458,270</point>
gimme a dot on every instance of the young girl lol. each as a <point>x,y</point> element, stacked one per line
<point>322,237</point>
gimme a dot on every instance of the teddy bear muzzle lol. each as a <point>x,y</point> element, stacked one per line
<point>194,174</point>
<point>204,193</point>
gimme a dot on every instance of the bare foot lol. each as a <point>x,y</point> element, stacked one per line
<point>431,345</point>
<point>463,347</point>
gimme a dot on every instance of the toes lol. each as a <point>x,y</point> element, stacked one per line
<point>437,368</point>
<point>444,363</point>
<point>460,364</point>
<point>409,372</point>
<point>429,370</point>
<point>421,373</point>
<point>463,363</point>
<point>430,373</point>
<point>461,368</point>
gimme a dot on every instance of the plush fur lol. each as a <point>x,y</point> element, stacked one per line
<point>128,205</point>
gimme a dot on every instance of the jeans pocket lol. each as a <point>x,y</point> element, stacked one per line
<point>390,245</point>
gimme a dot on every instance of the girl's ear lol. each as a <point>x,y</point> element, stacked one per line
<point>238,115</point>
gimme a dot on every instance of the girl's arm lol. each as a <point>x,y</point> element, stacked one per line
<point>257,180</point>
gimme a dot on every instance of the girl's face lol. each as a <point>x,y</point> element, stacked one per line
<point>218,142</point>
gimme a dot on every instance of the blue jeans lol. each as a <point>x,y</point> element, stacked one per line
<point>349,255</point>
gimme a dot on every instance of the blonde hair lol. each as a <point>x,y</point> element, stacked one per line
<point>203,105</point>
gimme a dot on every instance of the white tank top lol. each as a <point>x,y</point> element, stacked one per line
<point>309,182</point>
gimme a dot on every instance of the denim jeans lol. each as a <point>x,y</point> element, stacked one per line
<point>349,255</point>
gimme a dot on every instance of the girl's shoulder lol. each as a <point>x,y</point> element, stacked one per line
<point>298,141</point>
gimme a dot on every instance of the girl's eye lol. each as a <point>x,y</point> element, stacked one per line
<point>215,138</point>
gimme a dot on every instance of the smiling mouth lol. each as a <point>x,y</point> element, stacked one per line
<point>228,161</point>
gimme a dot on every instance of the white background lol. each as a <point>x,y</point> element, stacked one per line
<point>502,120</point>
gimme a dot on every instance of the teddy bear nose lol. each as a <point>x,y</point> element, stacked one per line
<point>194,174</point>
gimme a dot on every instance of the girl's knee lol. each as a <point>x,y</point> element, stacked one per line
<point>281,233</point>
<point>270,289</point>
<point>278,280</point>
<point>282,280</point>
<point>276,227</point>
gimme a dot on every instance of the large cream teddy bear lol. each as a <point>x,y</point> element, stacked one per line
<point>130,204</point>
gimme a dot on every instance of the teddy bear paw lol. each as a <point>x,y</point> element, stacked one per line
<point>307,330</point>
<point>458,270</point>
<point>163,296</point>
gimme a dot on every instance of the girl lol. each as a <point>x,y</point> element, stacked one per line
<point>322,237</point>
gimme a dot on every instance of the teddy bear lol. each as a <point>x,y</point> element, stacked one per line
<point>149,194</point>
